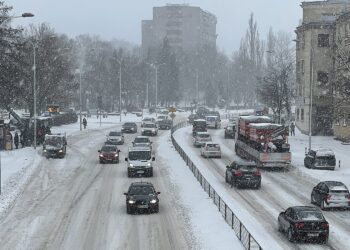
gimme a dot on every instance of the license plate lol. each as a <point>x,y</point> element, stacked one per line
<point>143,206</point>
<point>312,234</point>
<point>140,172</point>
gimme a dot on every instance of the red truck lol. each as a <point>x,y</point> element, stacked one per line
<point>258,139</point>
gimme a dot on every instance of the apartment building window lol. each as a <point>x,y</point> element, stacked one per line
<point>302,114</point>
<point>322,77</point>
<point>298,67</point>
<point>298,113</point>
<point>323,40</point>
<point>302,66</point>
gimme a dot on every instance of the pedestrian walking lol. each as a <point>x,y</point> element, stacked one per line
<point>21,138</point>
<point>84,122</point>
<point>16,140</point>
<point>292,129</point>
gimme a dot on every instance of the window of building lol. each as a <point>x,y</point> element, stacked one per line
<point>323,40</point>
<point>302,114</point>
<point>303,41</point>
<point>322,77</point>
<point>298,113</point>
<point>298,67</point>
<point>302,66</point>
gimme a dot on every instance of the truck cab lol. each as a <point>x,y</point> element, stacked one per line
<point>139,161</point>
<point>54,146</point>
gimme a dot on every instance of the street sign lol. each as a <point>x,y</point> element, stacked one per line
<point>172,109</point>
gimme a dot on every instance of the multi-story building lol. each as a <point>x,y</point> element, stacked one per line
<point>315,50</point>
<point>184,26</point>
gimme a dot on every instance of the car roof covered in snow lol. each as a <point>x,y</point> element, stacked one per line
<point>199,120</point>
<point>135,148</point>
<point>255,118</point>
<point>324,152</point>
<point>264,125</point>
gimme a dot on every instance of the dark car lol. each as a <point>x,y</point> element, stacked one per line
<point>230,131</point>
<point>304,223</point>
<point>329,194</point>
<point>142,196</point>
<point>320,159</point>
<point>129,127</point>
<point>165,124</point>
<point>241,173</point>
<point>109,153</point>
<point>55,146</point>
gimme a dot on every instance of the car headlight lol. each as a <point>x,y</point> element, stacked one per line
<point>149,164</point>
<point>142,130</point>
<point>153,201</point>
<point>101,155</point>
<point>131,165</point>
<point>153,130</point>
<point>132,128</point>
<point>45,150</point>
<point>60,151</point>
<point>116,155</point>
<point>131,202</point>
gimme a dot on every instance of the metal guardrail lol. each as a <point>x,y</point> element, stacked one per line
<point>231,219</point>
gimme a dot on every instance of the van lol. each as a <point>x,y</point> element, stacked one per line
<point>213,121</point>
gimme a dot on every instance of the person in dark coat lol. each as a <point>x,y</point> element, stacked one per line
<point>292,129</point>
<point>84,122</point>
<point>16,140</point>
<point>21,138</point>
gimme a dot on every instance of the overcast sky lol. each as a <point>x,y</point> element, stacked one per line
<point>121,19</point>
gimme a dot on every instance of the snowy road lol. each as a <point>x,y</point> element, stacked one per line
<point>76,203</point>
<point>279,190</point>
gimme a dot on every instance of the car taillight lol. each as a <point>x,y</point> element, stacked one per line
<point>238,173</point>
<point>299,225</point>
<point>257,173</point>
<point>328,197</point>
<point>348,196</point>
<point>324,225</point>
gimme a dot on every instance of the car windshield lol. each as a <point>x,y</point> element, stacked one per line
<point>204,136</point>
<point>141,140</point>
<point>211,119</point>
<point>140,155</point>
<point>309,215</point>
<point>108,149</point>
<point>129,124</point>
<point>247,167</point>
<point>115,134</point>
<point>53,141</point>
<point>147,119</point>
<point>149,126</point>
<point>141,190</point>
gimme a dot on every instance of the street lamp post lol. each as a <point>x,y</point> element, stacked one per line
<point>80,103</point>
<point>311,90</point>
<point>120,90</point>
<point>156,90</point>
<point>34,89</point>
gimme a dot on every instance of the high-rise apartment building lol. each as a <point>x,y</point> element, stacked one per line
<point>186,27</point>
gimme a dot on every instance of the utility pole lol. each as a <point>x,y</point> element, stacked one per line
<point>147,96</point>
<point>311,90</point>
<point>34,89</point>
<point>156,90</point>
<point>80,102</point>
<point>197,90</point>
<point>120,90</point>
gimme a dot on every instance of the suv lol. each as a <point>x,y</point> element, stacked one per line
<point>115,138</point>
<point>230,131</point>
<point>139,161</point>
<point>201,138</point>
<point>109,153</point>
<point>149,128</point>
<point>321,159</point>
<point>147,119</point>
<point>165,124</point>
<point>142,196</point>
<point>242,173</point>
<point>142,141</point>
<point>55,146</point>
<point>129,127</point>
<point>213,121</point>
<point>330,194</point>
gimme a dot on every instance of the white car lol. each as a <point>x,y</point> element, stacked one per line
<point>213,121</point>
<point>149,128</point>
<point>201,138</point>
<point>211,149</point>
<point>162,117</point>
<point>147,119</point>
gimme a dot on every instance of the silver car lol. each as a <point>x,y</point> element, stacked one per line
<point>201,138</point>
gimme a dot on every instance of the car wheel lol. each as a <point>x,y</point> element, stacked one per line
<point>129,175</point>
<point>128,209</point>
<point>280,229</point>
<point>101,162</point>
<point>324,240</point>
<point>290,235</point>
<point>156,209</point>
<point>226,178</point>
<point>313,199</point>
<point>322,205</point>
<point>258,186</point>
<point>151,174</point>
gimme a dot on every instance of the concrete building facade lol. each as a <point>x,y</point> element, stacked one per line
<point>184,26</point>
<point>315,50</point>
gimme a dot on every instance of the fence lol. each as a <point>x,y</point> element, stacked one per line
<point>231,219</point>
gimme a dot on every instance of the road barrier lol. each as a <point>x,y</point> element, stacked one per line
<point>231,219</point>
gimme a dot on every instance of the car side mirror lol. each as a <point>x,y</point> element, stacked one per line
<point>99,151</point>
<point>227,167</point>
<point>119,151</point>
<point>153,158</point>
<point>125,193</point>
<point>158,192</point>
<point>126,159</point>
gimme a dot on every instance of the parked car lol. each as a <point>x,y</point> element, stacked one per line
<point>230,131</point>
<point>320,159</point>
<point>115,138</point>
<point>165,124</point>
<point>329,194</point>
<point>211,149</point>
<point>304,223</point>
<point>243,173</point>
<point>141,141</point>
<point>142,196</point>
<point>201,138</point>
<point>109,153</point>
<point>213,121</point>
<point>148,119</point>
<point>129,127</point>
<point>149,128</point>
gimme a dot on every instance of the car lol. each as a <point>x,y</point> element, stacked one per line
<point>213,121</point>
<point>197,129</point>
<point>141,196</point>
<point>129,127</point>
<point>230,131</point>
<point>201,138</point>
<point>162,117</point>
<point>148,119</point>
<point>149,128</point>
<point>304,223</point>
<point>139,161</point>
<point>211,149</point>
<point>199,123</point>
<point>55,146</point>
<point>192,117</point>
<point>165,124</point>
<point>320,159</point>
<point>243,173</point>
<point>142,141</point>
<point>109,153</point>
<point>329,194</point>
<point>115,138</point>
